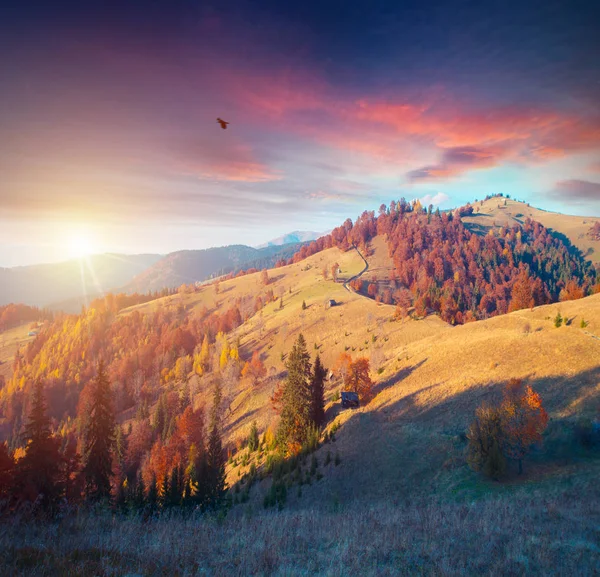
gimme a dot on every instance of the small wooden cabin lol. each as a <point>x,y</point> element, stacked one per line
<point>350,400</point>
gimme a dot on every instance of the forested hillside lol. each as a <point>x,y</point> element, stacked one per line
<point>441,266</point>
<point>200,369</point>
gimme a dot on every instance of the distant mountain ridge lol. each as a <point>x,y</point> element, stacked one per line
<point>43,284</point>
<point>190,266</point>
<point>294,236</point>
<point>68,285</point>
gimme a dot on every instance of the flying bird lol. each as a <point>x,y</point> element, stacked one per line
<point>222,123</point>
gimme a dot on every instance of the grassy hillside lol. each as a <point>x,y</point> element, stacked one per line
<point>429,376</point>
<point>554,534</point>
<point>494,212</point>
<point>351,324</point>
<point>10,341</point>
<point>393,492</point>
<point>399,497</point>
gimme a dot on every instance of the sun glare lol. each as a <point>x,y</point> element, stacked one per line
<point>80,245</point>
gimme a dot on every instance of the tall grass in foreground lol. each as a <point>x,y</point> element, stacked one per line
<point>526,534</point>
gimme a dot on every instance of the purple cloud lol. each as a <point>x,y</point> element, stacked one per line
<point>578,191</point>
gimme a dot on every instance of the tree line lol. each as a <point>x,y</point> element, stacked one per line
<point>441,266</point>
<point>52,470</point>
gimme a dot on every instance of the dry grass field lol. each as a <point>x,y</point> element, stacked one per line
<point>429,376</point>
<point>494,212</point>
<point>408,442</point>
<point>392,493</point>
<point>555,533</point>
<point>353,324</point>
<point>10,341</point>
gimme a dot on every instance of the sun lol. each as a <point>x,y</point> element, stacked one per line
<point>80,245</point>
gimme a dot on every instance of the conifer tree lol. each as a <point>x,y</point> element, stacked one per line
<point>139,493</point>
<point>152,500</point>
<point>175,489</point>
<point>71,471</point>
<point>160,420</point>
<point>99,440</point>
<point>121,496</point>
<point>38,472</point>
<point>7,470</point>
<point>317,389</point>
<point>120,446</point>
<point>296,398</point>
<point>253,437</point>
<point>163,492</point>
<point>215,459</point>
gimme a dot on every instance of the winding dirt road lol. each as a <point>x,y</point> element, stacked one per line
<point>363,271</point>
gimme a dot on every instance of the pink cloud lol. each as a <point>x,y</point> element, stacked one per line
<point>393,134</point>
<point>223,158</point>
<point>457,160</point>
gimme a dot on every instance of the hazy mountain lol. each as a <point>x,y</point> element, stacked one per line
<point>295,236</point>
<point>189,266</point>
<point>44,284</point>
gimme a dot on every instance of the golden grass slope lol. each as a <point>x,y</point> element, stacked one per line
<point>356,324</point>
<point>10,341</point>
<point>494,212</point>
<point>406,440</point>
<point>429,376</point>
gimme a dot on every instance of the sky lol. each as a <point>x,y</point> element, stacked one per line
<point>109,140</point>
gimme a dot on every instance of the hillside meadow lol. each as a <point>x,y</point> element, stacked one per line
<point>524,531</point>
<point>388,490</point>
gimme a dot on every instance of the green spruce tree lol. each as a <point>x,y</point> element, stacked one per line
<point>152,500</point>
<point>253,440</point>
<point>215,459</point>
<point>7,472</point>
<point>100,438</point>
<point>296,399</point>
<point>38,472</point>
<point>317,390</point>
<point>139,493</point>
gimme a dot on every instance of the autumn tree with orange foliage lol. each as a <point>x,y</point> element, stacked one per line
<point>571,292</point>
<point>403,299</point>
<point>334,271</point>
<point>594,232</point>
<point>522,293</point>
<point>523,420</point>
<point>254,369</point>
<point>358,379</point>
<point>342,365</point>
<point>507,430</point>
